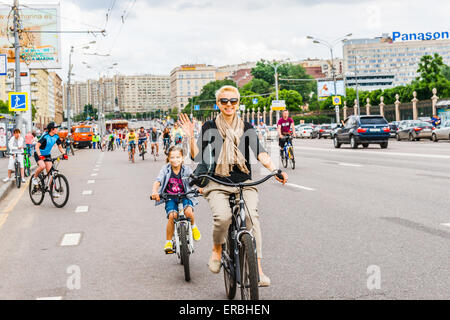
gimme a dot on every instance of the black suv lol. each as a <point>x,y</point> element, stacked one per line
<point>363,130</point>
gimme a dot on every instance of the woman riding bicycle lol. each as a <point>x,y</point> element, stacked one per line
<point>230,139</point>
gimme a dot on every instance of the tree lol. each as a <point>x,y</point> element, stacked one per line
<point>430,69</point>
<point>446,72</point>
<point>292,98</point>
<point>264,71</point>
<point>258,86</point>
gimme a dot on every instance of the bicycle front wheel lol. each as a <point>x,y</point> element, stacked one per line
<point>36,192</point>
<point>229,272</point>
<point>291,157</point>
<point>284,160</point>
<point>59,190</point>
<point>18,175</point>
<point>249,269</point>
<point>184,251</point>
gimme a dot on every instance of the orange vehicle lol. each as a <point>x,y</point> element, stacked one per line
<point>63,133</point>
<point>82,136</point>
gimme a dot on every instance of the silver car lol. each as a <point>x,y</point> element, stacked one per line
<point>415,130</point>
<point>441,132</point>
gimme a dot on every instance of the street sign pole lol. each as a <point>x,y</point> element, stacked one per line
<point>18,86</point>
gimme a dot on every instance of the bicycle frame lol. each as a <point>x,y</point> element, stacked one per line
<point>287,144</point>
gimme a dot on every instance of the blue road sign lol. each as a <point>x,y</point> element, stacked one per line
<point>255,101</point>
<point>18,101</point>
<point>216,107</point>
<point>196,107</point>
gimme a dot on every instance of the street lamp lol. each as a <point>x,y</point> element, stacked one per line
<point>100,116</point>
<point>275,65</point>
<point>333,72</point>
<point>72,48</point>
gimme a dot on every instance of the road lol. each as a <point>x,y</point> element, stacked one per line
<point>343,213</point>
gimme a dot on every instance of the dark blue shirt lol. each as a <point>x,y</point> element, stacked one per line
<point>47,142</point>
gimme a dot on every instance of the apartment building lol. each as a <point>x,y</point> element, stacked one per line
<point>143,93</point>
<point>42,95</point>
<point>384,57</point>
<point>187,81</point>
<point>139,93</point>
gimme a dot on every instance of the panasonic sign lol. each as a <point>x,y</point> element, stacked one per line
<point>396,36</point>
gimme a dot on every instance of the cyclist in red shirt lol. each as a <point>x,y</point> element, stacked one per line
<point>285,126</point>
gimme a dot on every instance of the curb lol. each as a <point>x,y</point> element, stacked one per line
<point>7,187</point>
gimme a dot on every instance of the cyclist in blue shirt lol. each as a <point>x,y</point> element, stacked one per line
<point>44,149</point>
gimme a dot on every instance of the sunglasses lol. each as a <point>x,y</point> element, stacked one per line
<point>233,101</point>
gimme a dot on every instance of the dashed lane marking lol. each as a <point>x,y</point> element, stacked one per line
<point>49,298</point>
<point>87,192</point>
<point>445,224</point>
<point>81,209</point>
<point>300,187</point>
<point>91,181</point>
<point>71,239</point>
<point>349,164</point>
<point>94,174</point>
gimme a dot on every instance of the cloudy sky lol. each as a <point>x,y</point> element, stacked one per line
<point>154,36</point>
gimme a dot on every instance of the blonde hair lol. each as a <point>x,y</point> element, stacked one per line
<point>227,88</point>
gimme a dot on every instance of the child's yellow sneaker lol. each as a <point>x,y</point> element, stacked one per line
<point>196,233</point>
<point>168,248</point>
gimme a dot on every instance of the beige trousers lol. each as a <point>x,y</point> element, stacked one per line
<point>218,199</point>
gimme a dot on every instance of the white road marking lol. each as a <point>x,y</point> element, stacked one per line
<point>300,187</point>
<point>80,209</point>
<point>87,192</point>
<point>91,181</point>
<point>71,239</point>
<point>96,169</point>
<point>349,164</point>
<point>383,153</point>
<point>49,298</point>
<point>94,174</point>
<point>445,224</point>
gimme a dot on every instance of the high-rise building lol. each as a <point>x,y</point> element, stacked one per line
<point>57,97</point>
<point>133,94</point>
<point>396,61</point>
<point>187,81</point>
<point>40,94</point>
<point>143,93</point>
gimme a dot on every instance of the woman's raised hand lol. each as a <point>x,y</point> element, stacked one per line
<point>186,124</point>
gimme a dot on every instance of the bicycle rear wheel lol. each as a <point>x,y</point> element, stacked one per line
<point>184,251</point>
<point>37,193</point>
<point>59,190</point>
<point>229,272</point>
<point>249,269</point>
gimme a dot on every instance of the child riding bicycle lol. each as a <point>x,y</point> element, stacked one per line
<point>173,179</point>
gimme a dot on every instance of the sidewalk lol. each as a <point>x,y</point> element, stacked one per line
<point>6,187</point>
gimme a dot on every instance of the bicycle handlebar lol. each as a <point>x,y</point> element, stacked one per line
<point>166,196</point>
<point>240,184</point>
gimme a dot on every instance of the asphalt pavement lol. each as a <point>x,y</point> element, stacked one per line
<point>343,213</point>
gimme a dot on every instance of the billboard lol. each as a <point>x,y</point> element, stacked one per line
<point>40,49</point>
<point>325,88</point>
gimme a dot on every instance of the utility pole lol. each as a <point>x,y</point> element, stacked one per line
<point>69,122</point>
<point>338,120</point>
<point>18,86</point>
